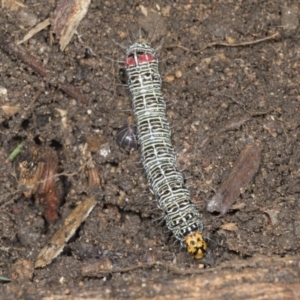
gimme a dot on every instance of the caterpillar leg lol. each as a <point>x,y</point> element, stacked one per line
<point>195,244</point>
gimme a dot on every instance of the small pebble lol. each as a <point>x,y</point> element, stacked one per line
<point>178,74</point>
<point>27,19</point>
<point>169,78</point>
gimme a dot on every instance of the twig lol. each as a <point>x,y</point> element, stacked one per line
<point>13,196</point>
<point>20,53</point>
<point>34,31</point>
<point>251,113</point>
<point>233,124</point>
<point>173,269</point>
<point>271,37</point>
<point>74,93</point>
<point>258,261</point>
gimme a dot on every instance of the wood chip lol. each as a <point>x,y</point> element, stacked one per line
<point>66,18</point>
<point>56,244</point>
<point>230,227</point>
<point>34,31</point>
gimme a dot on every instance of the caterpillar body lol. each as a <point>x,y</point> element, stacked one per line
<point>157,153</point>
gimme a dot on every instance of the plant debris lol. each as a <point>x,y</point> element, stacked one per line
<point>37,178</point>
<point>56,244</point>
<point>241,174</point>
<point>14,50</point>
<point>66,18</point>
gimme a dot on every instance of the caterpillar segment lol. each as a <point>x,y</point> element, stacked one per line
<point>157,153</point>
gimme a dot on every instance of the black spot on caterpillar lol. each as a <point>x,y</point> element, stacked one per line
<point>158,156</point>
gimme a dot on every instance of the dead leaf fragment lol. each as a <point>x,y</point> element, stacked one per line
<point>37,178</point>
<point>241,174</point>
<point>66,18</point>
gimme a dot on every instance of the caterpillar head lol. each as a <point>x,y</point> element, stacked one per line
<point>195,244</point>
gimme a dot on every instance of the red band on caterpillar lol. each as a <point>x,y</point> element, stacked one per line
<point>140,58</point>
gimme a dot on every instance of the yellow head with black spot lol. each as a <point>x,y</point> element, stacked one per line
<point>195,244</point>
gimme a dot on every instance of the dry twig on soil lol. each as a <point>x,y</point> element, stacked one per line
<point>274,36</point>
<point>12,49</point>
<point>56,244</point>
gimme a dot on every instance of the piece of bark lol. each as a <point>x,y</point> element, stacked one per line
<point>93,177</point>
<point>56,244</point>
<point>241,174</point>
<point>66,18</point>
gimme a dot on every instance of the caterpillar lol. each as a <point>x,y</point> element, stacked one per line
<point>157,153</point>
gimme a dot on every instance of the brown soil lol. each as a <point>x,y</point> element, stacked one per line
<point>216,87</point>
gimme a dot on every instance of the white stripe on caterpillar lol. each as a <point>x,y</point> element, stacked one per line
<point>158,156</point>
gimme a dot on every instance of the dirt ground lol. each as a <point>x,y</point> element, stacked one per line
<point>255,86</point>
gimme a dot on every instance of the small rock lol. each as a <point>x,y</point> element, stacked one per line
<point>27,19</point>
<point>169,78</point>
<point>178,74</point>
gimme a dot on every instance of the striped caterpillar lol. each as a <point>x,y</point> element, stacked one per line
<point>158,156</point>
